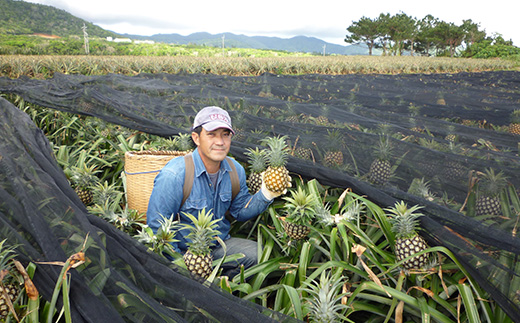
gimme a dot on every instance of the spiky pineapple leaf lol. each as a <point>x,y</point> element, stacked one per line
<point>202,232</point>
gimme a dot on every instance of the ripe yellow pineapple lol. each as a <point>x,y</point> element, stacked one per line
<point>198,258</point>
<point>276,176</point>
<point>408,242</point>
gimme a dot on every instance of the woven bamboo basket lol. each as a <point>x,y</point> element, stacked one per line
<point>141,167</point>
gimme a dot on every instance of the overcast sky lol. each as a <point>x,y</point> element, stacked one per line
<point>323,19</point>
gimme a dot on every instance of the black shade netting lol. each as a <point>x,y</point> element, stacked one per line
<point>443,129</point>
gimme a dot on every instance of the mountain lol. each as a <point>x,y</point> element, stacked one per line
<point>295,44</point>
<point>24,18</point>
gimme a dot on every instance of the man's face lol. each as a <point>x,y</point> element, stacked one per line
<point>213,145</point>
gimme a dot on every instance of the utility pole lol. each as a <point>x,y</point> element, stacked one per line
<point>324,46</point>
<point>223,46</point>
<point>85,37</point>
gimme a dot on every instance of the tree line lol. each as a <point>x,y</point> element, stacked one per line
<point>395,34</point>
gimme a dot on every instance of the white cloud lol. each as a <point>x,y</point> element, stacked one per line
<point>326,19</point>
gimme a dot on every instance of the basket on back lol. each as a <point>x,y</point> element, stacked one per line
<point>141,167</point>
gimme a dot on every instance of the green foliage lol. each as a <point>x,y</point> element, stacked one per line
<point>21,17</point>
<point>74,45</point>
<point>491,48</point>
<point>428,36</point>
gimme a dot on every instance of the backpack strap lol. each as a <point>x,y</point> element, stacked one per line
<point>235,182</point>
<point>190,175</point>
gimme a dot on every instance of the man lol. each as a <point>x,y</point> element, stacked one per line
<point>212,189</point>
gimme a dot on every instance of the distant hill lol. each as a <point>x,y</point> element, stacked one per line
<point>24,18</point>
<point>295,44</point>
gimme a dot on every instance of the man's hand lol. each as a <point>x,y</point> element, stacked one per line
<point>270,195</point>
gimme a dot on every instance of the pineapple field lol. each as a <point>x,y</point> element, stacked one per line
<point>401,190</point>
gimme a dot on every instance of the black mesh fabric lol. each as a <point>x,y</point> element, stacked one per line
<point>415,111</point>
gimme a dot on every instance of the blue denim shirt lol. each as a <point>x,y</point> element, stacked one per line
<point>167,197</point>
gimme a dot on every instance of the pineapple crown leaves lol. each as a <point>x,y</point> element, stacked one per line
<point>404,219</point>
<point>83,176</point>
<point>383,150</point>
<point>202,232</point>
<point>515,116</point>
<point>257,159</point>
<point>104,193</point>
<point>335,140</point>
<point>352,210</point>
<point>7,254</point>
<point>167,229</point>
<point>167,143</point>
<point>492,183</point>
<point>420,187</point>
<point>184,142</point>
<point>324,298</point>
<point>278,151</point>
<point>301,205</point>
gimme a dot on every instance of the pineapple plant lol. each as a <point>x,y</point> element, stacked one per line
<point>451,136</point>
<point>408,242</point>
<point>276,176</point>
<point>83,180</point>
<point>514,125</point>
<point>420,187</point>
<point>490,186</point>
<point>257,164</point>
<point>300,210</point>
<point>381,168</point>
<point>333,156</point>
<point>454,169</point>
<point>324,298</point>
<point>302,148</point>
<point>9,282</point>
<point>184,142</point>
<point>202,233</point>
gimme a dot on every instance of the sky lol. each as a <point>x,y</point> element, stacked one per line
<point>324,19</point>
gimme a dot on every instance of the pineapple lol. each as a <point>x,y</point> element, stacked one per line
<point>454,169</point>
<point>198,258</point>
<point>303,153</point>
<point>381,168</point>
<point>300,208</point>
<point>302,148</point>
<point>276,176</point>
<point>489,188</point>
<point>408,242</point>
<point>321,120</point>
<point>514,126</point>
<point>333,156</point>
<point>9,284</point>
<point>184,142</point>
<point>257,164</point>
<point>83,179</point>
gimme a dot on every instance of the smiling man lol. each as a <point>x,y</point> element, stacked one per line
<point>211,190</point>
